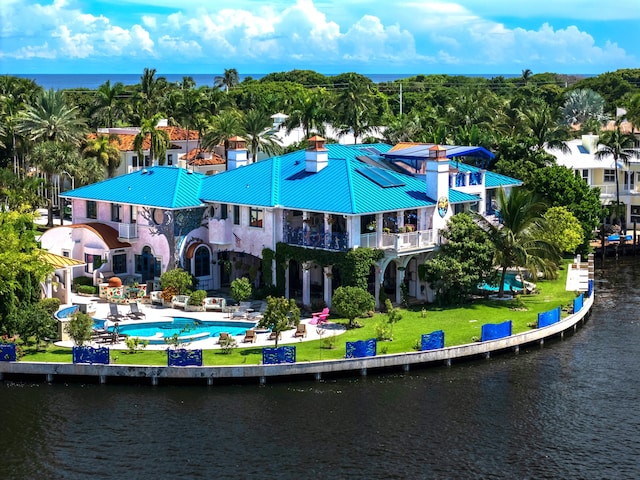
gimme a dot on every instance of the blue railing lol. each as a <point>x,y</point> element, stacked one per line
<point>305,237</point>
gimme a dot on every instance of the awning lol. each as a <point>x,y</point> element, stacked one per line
<point>58,261</point>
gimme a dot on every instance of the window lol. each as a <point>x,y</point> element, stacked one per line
<point>133,214</point>
<point>609,176</point>
<point>170,159</point>
<point>119,263</point>
<point>92,262</point>
<point>224,213</point>
<point>92,209</point>
<point>147,162</point>
<point>236,215</point>
<point>134,161</point>
<point>202,262</point>
<point>66,253</point>
<point>255,217</point>
<point>115,212</point>
<point>584,174</point>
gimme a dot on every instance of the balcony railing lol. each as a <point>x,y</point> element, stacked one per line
<point>609,189</point>
<point>401,241</point>
<point>128,230</point>
<point>325,240</point>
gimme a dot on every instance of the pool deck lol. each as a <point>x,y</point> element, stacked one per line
<point>155,313</point>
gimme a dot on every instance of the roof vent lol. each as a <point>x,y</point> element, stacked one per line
<point>144,170</point>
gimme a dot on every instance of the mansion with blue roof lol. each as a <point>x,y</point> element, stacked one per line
<point>329,197</point>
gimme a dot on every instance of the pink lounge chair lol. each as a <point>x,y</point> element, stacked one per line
<point>319,317</point>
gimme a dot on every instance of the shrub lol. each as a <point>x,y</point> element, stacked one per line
<point>352,302</point>
<point>227,345</point>
<point>51,305</point>
<point>80,327</point>
<point>177,278</point>
<point>168,293</point>
<point>87,289</point>
<point>134,343</point>
<point>383,331</point>
<point>240,289</point>
<point>78,281</point>
<point>197,298</point>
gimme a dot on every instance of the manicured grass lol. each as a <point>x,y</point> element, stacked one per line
<point>460,325</point>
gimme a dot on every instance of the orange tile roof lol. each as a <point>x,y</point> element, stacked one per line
<point>127,139</point>
<point>192,158</point>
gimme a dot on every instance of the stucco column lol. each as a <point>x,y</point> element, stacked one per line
<point>379,219</point>
<point>287,292</point>
<point>306,284</point>
<point>378,278</point>
<point>328,278</point>
<point>399,281</point>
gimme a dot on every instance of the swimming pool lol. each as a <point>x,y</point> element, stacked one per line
<point>187,328</point>
<point>511,282</point>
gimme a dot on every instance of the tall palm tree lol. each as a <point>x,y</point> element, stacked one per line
<point>189,107</point>
<point>51,119</point>
<point>542,125</point>
<point>526,75</point>
<point>159,140</point>
<point>151,92</point>
<point>108,105</point>
<point>517,241</point>
<point>354,107</point>
<point>105,152</point>
<point>221,128</point>
<point>256,127</point>
<point>228,80</point>
<point>310,111</point>
<point>618,145</point>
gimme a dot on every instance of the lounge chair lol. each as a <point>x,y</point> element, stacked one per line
<point>272,336</point>
<point>250,336</point>
<point>301,330</point>
<point>114,313</point>
<point>135,312</point>
<point>319,317</point>
<point>156,297</point>
<point>243,310</point>
<point>223,336</point>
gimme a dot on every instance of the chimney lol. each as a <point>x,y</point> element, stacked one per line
<point>316,156</point>
<point>237,153</point>
<point>437,173</point>
<point>590,143</point>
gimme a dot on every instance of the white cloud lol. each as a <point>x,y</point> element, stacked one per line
<point>141,39</point>
<point>73,45</point>
<point>149,21</point>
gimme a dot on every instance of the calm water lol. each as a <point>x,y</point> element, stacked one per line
<point>568,411</point>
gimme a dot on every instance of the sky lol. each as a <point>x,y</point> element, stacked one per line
<point>364,36</point>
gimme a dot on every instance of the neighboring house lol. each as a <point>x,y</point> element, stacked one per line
<point>601,173</point>
<point>329,197</point>
<point>202,161</point>
<point>181,141</point>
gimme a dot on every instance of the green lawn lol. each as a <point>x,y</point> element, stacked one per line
<point>459,324</point>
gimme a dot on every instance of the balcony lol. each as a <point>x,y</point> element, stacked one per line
<point>401,242</point>
<point>608,190</point>
<point>304,237</point>
<point>128,231</point>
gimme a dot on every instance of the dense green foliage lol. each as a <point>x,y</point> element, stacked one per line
<point>241,289</point>
<point>463,262</point>
<point>563,230</point>
<point>281,313</point>
<point>177,279</point>
<point>352,302</point>
<point>79,327</point>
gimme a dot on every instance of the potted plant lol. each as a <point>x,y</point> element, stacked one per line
<point>196,301</point>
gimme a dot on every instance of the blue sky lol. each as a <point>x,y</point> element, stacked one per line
<point>366,36</point>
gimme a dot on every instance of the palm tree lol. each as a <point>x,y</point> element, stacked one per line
<point>541,125</point>
<point>51,119</point>
<point>256,127</point>
<point>105,152</point>
<point>159,140</point>
<point>189,107</point>
<point>354,107</point>
<point>221,128</point>
<point>310,111</point>
<point>228,80</point>
<point>517,241</point>
<point>151,91</point>
<point>108,103</point>
<point>618,145</point>
<point>526,74</point>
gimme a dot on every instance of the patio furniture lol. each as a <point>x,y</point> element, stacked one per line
<point>319,317</point>
<point>301,330</point>
<point>243,310</point>
<point>179,301</point>
<point>156,297</point>
<point>250,336</point>
<point>114,314</point>
<point>215,303</point>
<point>135,312</point>
<point>272,336</point>
<point>223,336</point>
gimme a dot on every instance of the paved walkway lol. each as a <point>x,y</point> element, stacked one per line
<point>154,313</point>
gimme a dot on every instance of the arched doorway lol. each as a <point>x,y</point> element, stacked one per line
<point>202,267</point>
<point>147,265</point>
<point>295,280</point>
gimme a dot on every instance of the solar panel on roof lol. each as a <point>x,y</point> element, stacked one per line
<point>372,150</point>
<point>381,177</point>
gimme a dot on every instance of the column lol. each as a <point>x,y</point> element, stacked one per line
<point>399,280</point>
<point>378,278</point>
<point>306,284</point>
<point>328,276</point>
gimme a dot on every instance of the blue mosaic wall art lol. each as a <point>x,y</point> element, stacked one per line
<point>90,355</point>
<point>275,356</point>
<point>362,348</point>
<point>432,341</point>
<point>8,352</point>
<point>494,331</point>
<point>184,358</point>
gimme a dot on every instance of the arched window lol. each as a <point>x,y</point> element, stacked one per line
<point>202,262</point>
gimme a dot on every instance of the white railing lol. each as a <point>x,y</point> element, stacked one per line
<point>401,241</point>
<point>609,189</point>
<point>128,230</point>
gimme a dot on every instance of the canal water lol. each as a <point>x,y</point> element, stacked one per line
<point>568,410</point>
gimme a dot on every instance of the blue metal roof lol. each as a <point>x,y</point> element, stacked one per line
<point>162,187</point>
<point>421,151</point>
<point>491,179</point>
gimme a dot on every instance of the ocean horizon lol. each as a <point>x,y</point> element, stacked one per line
<point>91,81</point>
